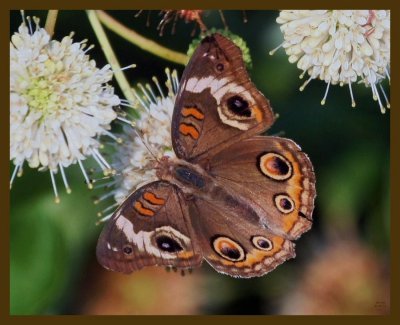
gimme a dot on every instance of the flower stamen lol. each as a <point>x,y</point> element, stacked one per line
<point>53,182</point>
<point>155,80</point>
<point>87,180</point>
<point>384,95</point>
<point>153,96</point>
<point>16,168</point>
<point>111,207</point>
<point>272,52</point>
<point>323,101</point>
<point>306,83</point>
<point>146,95</point>
<point>353,103</point>
<point>64,178</point>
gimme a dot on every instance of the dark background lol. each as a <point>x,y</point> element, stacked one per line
<point>342,264</point>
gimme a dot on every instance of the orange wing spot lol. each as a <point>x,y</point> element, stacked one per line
<point>185,255</point>
<point>258,114</point>
<point>150,197</point>
<point>142,210</point>
<point>193,111</point>
<point>188,129</point>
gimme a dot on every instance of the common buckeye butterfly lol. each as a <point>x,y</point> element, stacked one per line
<point>231,197</point>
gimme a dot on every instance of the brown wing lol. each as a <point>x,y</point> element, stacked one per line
<point>235,246</point>
<point>274,177</point>
<point>217,104</point>
<point>150,228</point>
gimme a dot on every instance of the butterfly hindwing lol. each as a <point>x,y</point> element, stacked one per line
<point>234,246</point>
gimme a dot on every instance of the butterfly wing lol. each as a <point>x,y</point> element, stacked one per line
<point>265,201</point>
<point>150,228</point>
<point>274,176</point>
<point>217,104</point>
<point>236,247</point>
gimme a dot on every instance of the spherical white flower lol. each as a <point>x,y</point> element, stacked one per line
<point>146,142</point>
<point>339,46</point>
<point>60,103</point>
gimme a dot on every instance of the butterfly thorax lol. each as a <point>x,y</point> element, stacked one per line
<point>190,178</point>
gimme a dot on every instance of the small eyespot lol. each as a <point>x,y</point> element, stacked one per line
<point>228,249</point>
<point>275,166</point>
<point>284,203</point>
<point>262,243</point>
<point>127,250</point>
<point>168,244</point>
<point>220,67</point>
<point>238,106</point>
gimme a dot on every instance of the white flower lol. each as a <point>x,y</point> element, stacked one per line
<point>146,142</point>
<point>339,46</point>
<point>60,103</point>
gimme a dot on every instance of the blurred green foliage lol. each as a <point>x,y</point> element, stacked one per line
<point>53,246</point>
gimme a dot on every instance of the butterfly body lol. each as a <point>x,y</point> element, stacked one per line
<point>230,196</point>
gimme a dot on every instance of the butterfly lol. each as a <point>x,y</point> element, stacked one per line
<point>231,197</point>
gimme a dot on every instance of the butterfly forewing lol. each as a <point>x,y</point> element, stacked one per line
<point>150,228</point>
<point>217,104</point>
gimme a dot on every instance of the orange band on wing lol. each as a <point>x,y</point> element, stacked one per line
<point>188,129</point>
<point>192,111</point>
<point>258,114</point>
<point>185,255</point>
<point>150,197</point>
<point>142,210</point>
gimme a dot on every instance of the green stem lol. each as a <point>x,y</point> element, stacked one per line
<point>142,42</point>
<point>51,22</point>
<point>110,55</point>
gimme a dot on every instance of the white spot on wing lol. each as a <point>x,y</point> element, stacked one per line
<point>195,85</point>
<point>191,83</point>
<point>142,239</point>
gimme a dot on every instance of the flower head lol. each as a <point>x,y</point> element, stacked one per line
<point>339,47</point>
<point>60,103</point>
<point>145,142</point>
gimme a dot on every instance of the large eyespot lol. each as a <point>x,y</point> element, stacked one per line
<point>168,244</point>
<point>284,203</point>
<point>228,249</point>
<point>275,166</point>
<point>238,106</point>
<point>262,243</point>
<point>127,249</point>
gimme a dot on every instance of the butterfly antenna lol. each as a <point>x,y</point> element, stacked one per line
<point>148,19</point>
<point>223,19</point>
<point>174,23</point>
<point>164,20</point>
<point>146,145</point>
<point>203,27</point>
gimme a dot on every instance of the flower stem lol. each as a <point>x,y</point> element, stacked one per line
<point>51,21</point>
<point>110,55</point>
<point>142,42</point>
